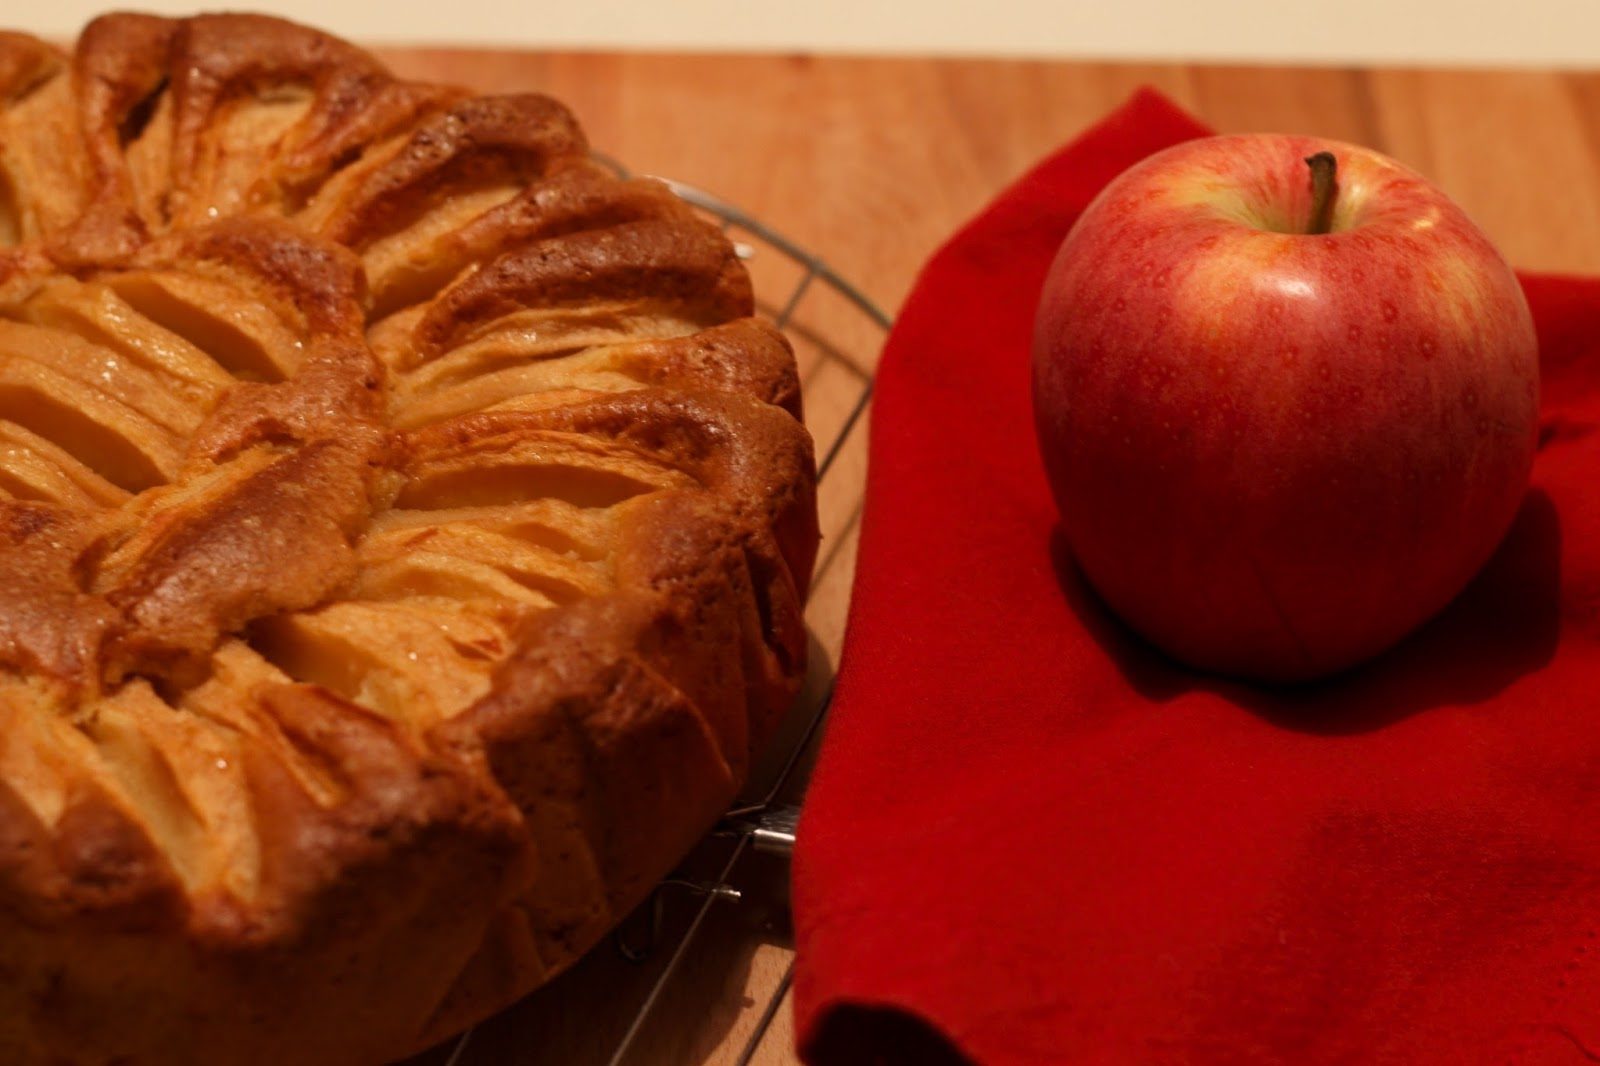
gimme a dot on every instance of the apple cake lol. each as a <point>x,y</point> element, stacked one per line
<point>404,529</point>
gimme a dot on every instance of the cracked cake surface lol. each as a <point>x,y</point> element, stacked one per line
<point>404,530</point>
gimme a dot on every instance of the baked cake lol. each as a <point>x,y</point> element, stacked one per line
<point>404,528</point>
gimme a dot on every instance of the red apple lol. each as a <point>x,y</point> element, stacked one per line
<point>1286,393</point>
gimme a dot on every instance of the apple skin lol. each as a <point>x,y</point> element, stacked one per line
<point>1276,453</point>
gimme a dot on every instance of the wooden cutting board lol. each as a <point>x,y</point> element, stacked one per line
<point>871,163</point>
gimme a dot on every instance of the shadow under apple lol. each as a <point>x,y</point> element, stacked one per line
<point>856,1035</point>
<point>1503,626</point>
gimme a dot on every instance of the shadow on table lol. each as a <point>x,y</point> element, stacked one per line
<point>879,1036</point>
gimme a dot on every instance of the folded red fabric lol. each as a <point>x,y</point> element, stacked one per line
<point>1047,843</point>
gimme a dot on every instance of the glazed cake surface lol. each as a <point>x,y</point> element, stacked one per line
<point>404,530</point>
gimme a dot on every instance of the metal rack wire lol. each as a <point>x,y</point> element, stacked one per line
<point>764,823</point>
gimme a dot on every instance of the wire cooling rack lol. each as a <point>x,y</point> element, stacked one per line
<point>671,990</point>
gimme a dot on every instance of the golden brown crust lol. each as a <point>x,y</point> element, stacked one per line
<point>24,63</point>
<point>404,527</point>
<point>676,262</point>
<point>479,141</point>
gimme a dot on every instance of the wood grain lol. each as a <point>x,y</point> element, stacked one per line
<point>871,163</point>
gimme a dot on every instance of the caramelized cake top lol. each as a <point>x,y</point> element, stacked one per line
<point>386,490</point>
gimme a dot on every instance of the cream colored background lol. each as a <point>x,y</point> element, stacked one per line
<point>1543,32</point>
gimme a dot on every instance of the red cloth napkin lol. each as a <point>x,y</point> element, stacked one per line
<point>1045,842</point>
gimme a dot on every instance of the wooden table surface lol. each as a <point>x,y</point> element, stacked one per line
<point>871,163</point>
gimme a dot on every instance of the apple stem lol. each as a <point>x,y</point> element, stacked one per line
<point>1324,187</point>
